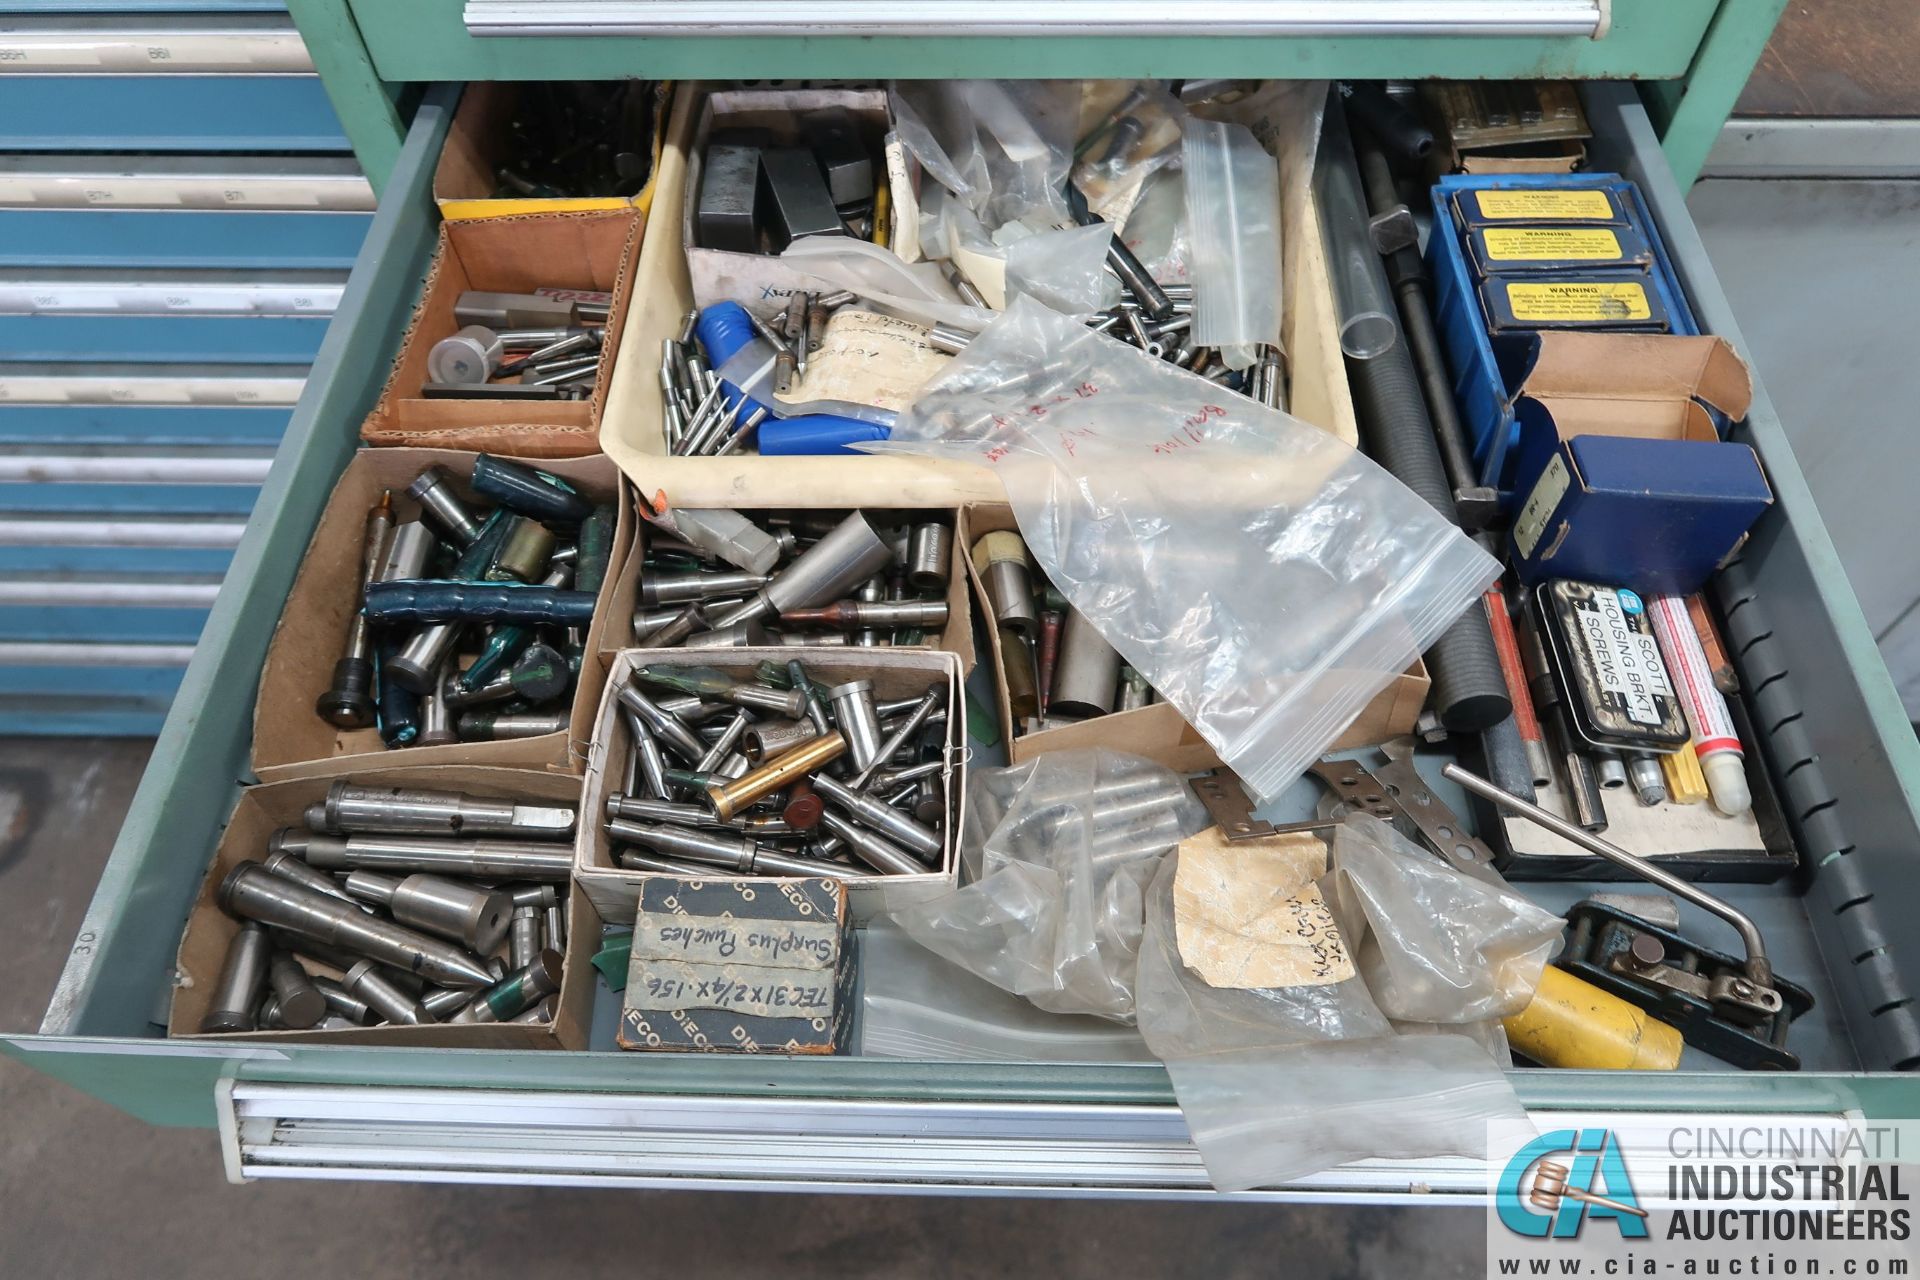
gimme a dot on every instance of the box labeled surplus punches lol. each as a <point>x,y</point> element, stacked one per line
<point>740,966</point>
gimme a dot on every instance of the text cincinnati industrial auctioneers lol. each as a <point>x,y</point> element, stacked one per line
<point>1744,1180</point>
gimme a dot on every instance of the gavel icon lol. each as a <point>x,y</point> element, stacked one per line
<point>1550,1187</point>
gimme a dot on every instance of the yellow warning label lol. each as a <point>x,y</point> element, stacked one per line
<point>1536,205</point>
<point>1594,301</point>
<point>1552,244</point>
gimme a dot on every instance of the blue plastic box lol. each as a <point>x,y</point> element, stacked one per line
<point>1487,371</point>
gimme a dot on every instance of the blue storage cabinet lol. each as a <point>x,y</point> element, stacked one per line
<point>170,158</point>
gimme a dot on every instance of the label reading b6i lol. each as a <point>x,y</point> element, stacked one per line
<point>1610,666</point>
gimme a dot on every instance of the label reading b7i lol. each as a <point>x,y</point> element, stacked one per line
<point>1610,667</point>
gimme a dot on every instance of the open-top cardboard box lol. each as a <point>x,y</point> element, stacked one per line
<point>1622,476</point>
<point>1158,731</point>
<point>291,740</point>
<point>589,251</point>
<point>896,673</point>
<point>264,809</point>
<point>464,180</point>
<point>632,427</point>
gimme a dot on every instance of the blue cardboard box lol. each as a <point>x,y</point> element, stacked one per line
<point>1622,476</point>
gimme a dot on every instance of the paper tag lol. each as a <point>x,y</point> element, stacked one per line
<point>868,358</point>
<point>733,988</point>
<point>1552,244</point>
<point>1540,505</point>
<point>784,944</point>
<point>1625,654</point>
<point>1520,203</point>
<point>1248,915</point>
<point>1595,301</point>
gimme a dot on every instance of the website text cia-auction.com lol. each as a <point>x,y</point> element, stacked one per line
<point>1686,1196</point>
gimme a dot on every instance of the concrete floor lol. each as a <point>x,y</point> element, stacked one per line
<point>87,1191</point>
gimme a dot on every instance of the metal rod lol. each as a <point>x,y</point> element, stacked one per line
<point>1758,968</point>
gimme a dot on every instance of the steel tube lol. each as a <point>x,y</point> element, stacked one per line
<point>480,859</point>
<point>252,892</point>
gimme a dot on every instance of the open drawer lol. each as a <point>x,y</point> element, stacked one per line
<point>1847,764</point>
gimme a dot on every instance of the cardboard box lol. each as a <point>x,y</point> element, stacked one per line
<point>760,282</point>
<point>1158,731</point>
<point>593,251</point>
<point>465,179</point>
<point>264,809</point>
<point>724,966</point>
<point>617,630</point>
<point>632,423</point>
<point>1622,477</point>
<point>896,673</point>
<point>289,740</point>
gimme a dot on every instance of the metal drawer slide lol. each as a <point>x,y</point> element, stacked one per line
<point>933,18</point>
<point>814,1145</point>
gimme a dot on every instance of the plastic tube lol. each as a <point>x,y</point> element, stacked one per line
<point>1715,740</point>
<point>1233,231</point>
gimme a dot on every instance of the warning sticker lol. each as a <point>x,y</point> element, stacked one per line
<point>1552,244</point>
<point>1545,205</point>
<point>1597,302</point>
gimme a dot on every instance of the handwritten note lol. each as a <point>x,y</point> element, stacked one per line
<point>1248,915</point>
<point>868,358</point>
<point>734,988</point>
<point>789,944</point>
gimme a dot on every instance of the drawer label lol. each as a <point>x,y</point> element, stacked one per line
<point>1590,301</point>
<point>1523,204</point>
<point>1552,244</point>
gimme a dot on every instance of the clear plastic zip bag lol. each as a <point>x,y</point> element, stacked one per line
<point>1058,853</point>
<point>1266,578</point>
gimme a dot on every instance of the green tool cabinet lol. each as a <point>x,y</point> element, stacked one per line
<point>1847,763</point>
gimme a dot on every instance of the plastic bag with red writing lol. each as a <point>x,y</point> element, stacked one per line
<point>1266,578</point>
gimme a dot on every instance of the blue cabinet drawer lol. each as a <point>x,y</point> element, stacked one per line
<point>167,113</point>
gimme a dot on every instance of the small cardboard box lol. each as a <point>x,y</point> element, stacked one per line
<point>760,282</point>
<point>633,424</point>
<point>266,808</point>
<point>1158,731</point>
<point>733,966</point>
<point>290,740</point>
<point>896,673</point>
<point>617,631</point>
<point>590,251</point>
<point>465,179</point>
<point>1622,476</point>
